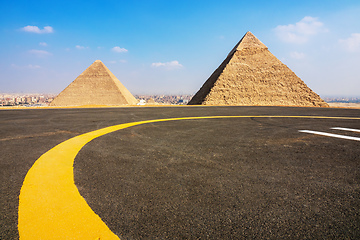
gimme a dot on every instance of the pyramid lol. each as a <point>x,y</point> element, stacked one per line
<point>95,86</point>
<point>252,75</point>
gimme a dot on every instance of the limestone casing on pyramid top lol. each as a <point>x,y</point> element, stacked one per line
<point>97,85</point>
<point>252,75</point>
<point>248,41</point>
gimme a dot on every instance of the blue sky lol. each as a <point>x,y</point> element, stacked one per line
<point>172,47</point>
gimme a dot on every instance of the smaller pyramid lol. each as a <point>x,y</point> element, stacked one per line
<point>151,101</point>
<point>252,75</point>
<point>95,86</point>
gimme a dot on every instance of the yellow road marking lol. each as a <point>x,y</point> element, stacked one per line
<point>50,205</point>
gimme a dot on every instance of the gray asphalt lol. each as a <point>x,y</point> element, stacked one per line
<point>197,179</point>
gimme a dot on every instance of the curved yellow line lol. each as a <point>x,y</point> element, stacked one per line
<point>50,205</point>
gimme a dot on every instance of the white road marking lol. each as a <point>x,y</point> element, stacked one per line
<point>346,129</point>
<point>330,135</point>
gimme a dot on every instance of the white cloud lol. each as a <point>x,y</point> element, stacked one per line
<point>297,55</point>
<point>30,66</point>
<point>169,65</point>
<point>80,47</point>
<point>300,32</point>
<point>44,44</point>
<point>351,44</point>
<point>36,29</point>
<point>39,53</point>
<point>119,61</point>
<point>119,49</point>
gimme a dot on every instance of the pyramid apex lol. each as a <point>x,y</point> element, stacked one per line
<point>248,41</point>
<point>98,61</point>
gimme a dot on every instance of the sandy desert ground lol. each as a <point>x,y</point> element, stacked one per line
<point>345,105</point>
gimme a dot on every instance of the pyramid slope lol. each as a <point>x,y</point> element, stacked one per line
<point>95,86</point>
<point>252,75</point>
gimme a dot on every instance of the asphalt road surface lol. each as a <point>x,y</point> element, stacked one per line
<point>224,178</point>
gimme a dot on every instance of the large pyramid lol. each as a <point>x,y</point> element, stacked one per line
<point>95,86</point>
<point>252,75</point>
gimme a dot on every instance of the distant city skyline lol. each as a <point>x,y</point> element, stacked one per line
<point>172,47</point>
<point>29,100</point>
<point>42,100</point>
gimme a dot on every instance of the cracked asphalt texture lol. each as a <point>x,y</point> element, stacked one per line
<point>233,178</point>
